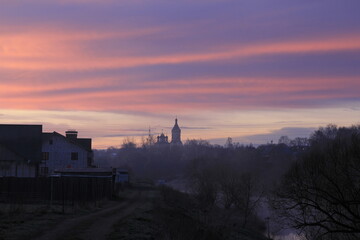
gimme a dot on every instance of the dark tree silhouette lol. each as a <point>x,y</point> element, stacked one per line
<point>320,194</point>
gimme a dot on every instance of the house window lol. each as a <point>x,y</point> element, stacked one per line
<point>51,142</point>
<point>74,156</point>
<point>45,156</point>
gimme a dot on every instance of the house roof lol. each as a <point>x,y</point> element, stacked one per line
<point>85,170</point>
<point>84,143</point>
<point>23,140</point>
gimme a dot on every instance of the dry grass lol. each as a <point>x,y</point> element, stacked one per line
<point>169,214</point>
<point>26,221</point>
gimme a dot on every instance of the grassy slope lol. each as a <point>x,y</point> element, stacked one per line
<point>172,215</point>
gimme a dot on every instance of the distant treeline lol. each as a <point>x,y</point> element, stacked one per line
<point>312,185</point>
<point>168,161</point>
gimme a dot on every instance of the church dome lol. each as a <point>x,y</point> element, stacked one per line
<point>162,139</point>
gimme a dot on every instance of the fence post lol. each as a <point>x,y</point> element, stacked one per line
<point>51,190</point>
<point>72,195</point>
<point>63,194</point>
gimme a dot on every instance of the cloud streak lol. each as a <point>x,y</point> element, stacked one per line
<point>231,93</point>
<point>159,59</point>
<point>53,54</point>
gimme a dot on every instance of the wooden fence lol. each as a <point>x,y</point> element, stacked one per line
<point>55,190</point>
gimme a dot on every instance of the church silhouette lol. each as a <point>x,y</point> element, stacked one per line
<point>175,136</point>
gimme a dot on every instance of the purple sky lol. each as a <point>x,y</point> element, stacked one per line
<point>251,69</point>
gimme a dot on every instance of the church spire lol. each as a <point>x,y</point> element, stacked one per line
<point>176,133</point>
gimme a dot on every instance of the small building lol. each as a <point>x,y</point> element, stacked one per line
<point>65,152</point>
<point>20,150</point>
<point>84,172</point>
<point>117,175</point>
<point>122,176</point>
<point>162,139</point>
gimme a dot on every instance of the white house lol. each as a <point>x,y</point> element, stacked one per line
<point>65,152</point>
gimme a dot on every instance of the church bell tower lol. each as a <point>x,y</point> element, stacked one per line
<point>176,133</point>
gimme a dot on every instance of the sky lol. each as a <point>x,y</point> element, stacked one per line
<point>252,70</point>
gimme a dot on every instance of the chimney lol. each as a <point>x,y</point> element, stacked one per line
<point>71,134</point>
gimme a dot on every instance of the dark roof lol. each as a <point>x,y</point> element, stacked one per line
<point>24,140</point>
<point>84,143</point>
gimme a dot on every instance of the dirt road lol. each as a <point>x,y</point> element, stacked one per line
<point>96,226</point>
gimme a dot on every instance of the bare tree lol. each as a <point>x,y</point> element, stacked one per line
<point>203,179</point>
<point>320,195</point>
<point>148,141</point>
<point>220,183</point>
<point>128,143</point>
<point>299,142</point>
<point>284,140</point>
<point>247,196</point>
<point>229,143</point>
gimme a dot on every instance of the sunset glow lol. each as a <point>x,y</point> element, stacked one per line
<point>249,70</point>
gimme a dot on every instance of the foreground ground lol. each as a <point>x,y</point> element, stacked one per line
<point>140,213</point>
<point>89,221</point>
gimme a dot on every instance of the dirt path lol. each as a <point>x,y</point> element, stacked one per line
<point>95,226</point>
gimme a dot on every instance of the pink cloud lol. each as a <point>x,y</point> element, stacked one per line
<point>54,50</point>
<point>232,93</point>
